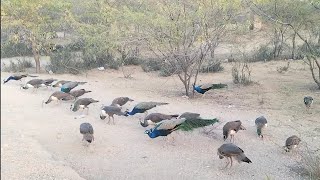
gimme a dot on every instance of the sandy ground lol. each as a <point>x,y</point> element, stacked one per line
<point>44,142</point>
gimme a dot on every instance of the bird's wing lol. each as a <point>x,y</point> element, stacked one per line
<point>231,149</point>
<point>168,124</point>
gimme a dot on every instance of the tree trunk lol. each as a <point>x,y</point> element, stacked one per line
<point>36,56</point>
<point>293,46</point>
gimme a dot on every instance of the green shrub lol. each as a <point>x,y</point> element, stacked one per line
<point>264,53</point>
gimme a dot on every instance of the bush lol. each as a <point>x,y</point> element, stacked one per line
<point>264,53</point>
<point>132,61</point>
<point>241,73</point>
<point>19,66</point>
<point>212,68</point>
<point>151,65</point>
<point>10,49</point>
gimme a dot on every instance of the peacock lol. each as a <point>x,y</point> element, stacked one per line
<point>58,95</point>
<point>110,111</point>
<point>78,93</point>
<point>17,77</point>
<point>230,150</point>
<point>231,128</point>
<point>60,83</point>
<point>206,87</point>
<point>166,127</point>
<point>86,130</point>
<point>82,103</point>
<point>261,123</point>
<point>292,142</point>
<point>67,87</point>
<point>154,118</point>
<point>144,106</point>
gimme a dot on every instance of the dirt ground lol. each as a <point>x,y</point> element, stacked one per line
<point>45,143</point>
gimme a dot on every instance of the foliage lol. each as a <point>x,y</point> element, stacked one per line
<point>20,66</point>
<point>32,22</point>
<point>241,73</point>
<point>212,67</point>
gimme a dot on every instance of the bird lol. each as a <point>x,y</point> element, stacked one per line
<point>154,118</point>
<point>202,89</point>
<point>189,115</point>
<point>110,111</point>
<point>58,95</point>
<point>35,83</point>
<point>308,100</point>
<point>17,77</point>
<point>67,87</point>
<point>120,101</point>
<point>144,106</point>
<point>261,123</point>
<point>230,150</point>
<point>60,83</point>
<point>292,142</point>
<point>86,130</point>
<point>166,127</point>
<point>48,82</point>
<point>82,103</point>
<point>230,128</point>
<point>78,93</point>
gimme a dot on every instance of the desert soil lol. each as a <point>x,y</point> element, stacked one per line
<point>44,142</point>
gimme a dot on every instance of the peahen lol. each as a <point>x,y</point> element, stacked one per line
<point>144,106</point>
<point>261,123</point>
<point>189,115</point>
<point>35,83</point>
<point>48,82</point>
<point>230,150</point>
<point>231,128</point>
<point>60,83</point>
<point>17,77</point>
<point>86,130</point>
<point>166,127</point>
<point>67,87</point>
<point>110,111</point>
<point>58,95</point>
<point>154,118</point>
<point>120,101</point>
<point>78,93</point>
<point>206,87</point>
<point>291,143</point>
<point>308,101</point>
<point>82,103</point>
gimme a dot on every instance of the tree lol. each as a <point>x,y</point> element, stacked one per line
<point>183,33</point>
<point>303,18</point>
<point>32,22</point>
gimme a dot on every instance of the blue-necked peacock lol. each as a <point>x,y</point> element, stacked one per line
<point>206,87</point>
<point>17,77</point>
<point>144,106</point>
<point>166,127</point>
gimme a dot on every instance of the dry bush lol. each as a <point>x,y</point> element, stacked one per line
<point>241,73</point>
<point>212,67</point>
<point>19,66</point>
<point>311,163</point>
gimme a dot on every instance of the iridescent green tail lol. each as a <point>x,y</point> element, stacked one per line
<point>191,124</point>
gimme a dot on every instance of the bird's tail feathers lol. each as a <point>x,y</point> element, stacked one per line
<point>218,86</point>
<point>243,158</point>
<point>191,124</point>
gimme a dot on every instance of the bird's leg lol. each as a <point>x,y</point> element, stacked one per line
<point>113,120</point>
<point>109,119</point>
<point>227,163</point>
<point>231,161</point>
<point>232,136</point>
<point>203,96</point>
<point>87,110</point>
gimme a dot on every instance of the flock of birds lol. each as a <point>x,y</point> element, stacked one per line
<point>164,124</point>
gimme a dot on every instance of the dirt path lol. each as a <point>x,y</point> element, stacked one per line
<point>44,142</point>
